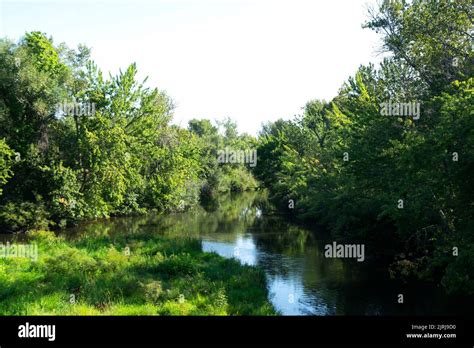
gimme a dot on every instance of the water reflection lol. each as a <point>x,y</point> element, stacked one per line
<point>300,279</point>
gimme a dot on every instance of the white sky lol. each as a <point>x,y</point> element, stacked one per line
<point>251,60</point>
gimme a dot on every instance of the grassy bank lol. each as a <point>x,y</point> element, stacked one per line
<point>139,274</point>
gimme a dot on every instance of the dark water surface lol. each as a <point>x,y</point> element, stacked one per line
<point>300,279</point>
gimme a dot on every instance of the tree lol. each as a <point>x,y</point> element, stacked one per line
<point>6,155</point>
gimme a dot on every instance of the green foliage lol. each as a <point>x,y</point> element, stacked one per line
<point>459,275</point>
<point>160,276</point>
<point>222,177</point>
<point>23,216</point>
<point>343,164</point>
<point>6,162</point>
<point>346,166</point>
<point>45,54</point>
<point>59,168</point>
<point>123,158</point>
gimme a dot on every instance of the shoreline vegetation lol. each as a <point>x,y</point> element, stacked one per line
<point>76,146</point>
<point>138,274</point>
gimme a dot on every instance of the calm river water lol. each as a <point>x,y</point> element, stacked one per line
<point>301,280</point>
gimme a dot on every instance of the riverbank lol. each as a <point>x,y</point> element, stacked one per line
<point>136,274</point>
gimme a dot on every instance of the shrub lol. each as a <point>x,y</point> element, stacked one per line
<point>20,217</point>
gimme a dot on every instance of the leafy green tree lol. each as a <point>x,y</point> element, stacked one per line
<point>396,183</point>
<point>6,155</point>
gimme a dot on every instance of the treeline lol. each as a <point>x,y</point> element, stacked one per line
<point>367,167</point>
<point>75,145</point>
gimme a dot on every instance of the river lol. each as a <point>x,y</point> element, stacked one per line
<point>301,280</point>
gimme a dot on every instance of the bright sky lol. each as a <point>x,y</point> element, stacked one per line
<point>251,60</point>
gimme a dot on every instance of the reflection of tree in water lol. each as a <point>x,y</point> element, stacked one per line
<point>347,287</point>
<point>288,254</point>
<point>331,286</point>
<point>233,216</point>
<point>272,233</point>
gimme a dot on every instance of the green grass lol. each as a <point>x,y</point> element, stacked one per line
<point>160,276</point>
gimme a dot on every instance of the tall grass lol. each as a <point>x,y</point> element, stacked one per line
<point>136,274</point>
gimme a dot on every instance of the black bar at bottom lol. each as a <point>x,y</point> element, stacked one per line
<point>238,330</point>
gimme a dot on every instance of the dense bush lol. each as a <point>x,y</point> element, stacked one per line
<point>403,185</point>
<point>120,157</point>
<point>5,163</point>
<point>93,276</point>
